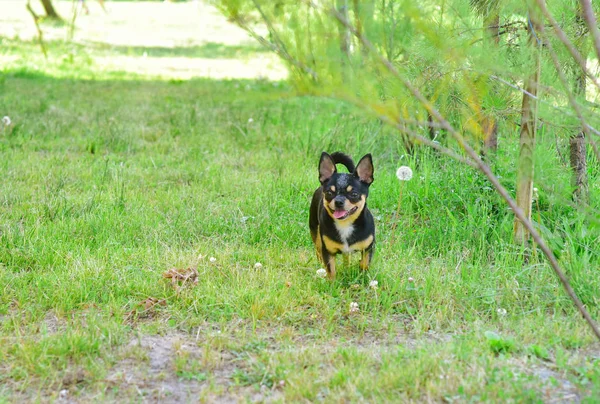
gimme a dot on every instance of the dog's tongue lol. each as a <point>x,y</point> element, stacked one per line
<point>339,213</point>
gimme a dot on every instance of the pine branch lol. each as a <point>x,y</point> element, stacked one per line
<point>480,165</point>
<point>568,44</point>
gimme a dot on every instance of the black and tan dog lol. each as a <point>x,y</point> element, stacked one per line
<point>340,222</point>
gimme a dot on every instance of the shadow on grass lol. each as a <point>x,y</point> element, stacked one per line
<point>209,50</point>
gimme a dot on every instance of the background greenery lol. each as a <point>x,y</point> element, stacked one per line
<point>110,178</point>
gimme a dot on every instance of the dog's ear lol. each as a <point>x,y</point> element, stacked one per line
<point>326,167</point>
<point>364,169</point>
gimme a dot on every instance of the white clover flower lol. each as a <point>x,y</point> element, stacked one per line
<point>404,173</point>
<point>321,273</point>
<point>501,312</point>
<point>212,259</point>
<point>250,120</point>
<point>411,279</point>
<point>373,284</point>
<point>6,121</point>
<point>354,307</point>
<point>258,265</point>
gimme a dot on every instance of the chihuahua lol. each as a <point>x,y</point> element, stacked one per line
<point>339,219</point>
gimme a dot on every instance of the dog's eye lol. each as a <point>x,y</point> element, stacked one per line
<point>354,195</point>
<point>328,194</point>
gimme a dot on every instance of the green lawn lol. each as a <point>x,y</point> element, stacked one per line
<point>109,179</point>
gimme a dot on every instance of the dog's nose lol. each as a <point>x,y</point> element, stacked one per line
<point>339,201</point>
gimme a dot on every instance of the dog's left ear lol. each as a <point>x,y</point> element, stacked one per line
<point>364,169</point>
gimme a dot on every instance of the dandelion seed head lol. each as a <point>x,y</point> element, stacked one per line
<point>321,273</point>
<point>212,259</point>
<point>250,120</point>
<point>501,312</point>
<point>411,279</point>
<point>404,173</point>
<point>373,284</point>
<point>258,265</point>
<point>6,121</point>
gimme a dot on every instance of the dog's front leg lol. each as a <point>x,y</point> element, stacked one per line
<point>329,261</point>
<point>365,259</point>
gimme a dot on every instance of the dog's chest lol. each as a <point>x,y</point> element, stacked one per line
<point>345,233</point>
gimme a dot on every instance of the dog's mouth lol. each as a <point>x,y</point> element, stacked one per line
<point>341,214</point>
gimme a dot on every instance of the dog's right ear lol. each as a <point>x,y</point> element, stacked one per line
<point>326,168</point>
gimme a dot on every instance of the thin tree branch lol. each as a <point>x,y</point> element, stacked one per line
<point>571,97</point>
<point>568,44</point>
<point>282,52</point>
<point>399,124</point>
<point>37,27</point>
<point>590,20</point>
<point>480,165</point>
<point>522,90</point>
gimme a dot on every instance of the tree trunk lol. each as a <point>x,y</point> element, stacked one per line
<point>577,143</point>
<point>578,152</point>
<point>342,7</point>
<point>528,128</point>
<point>49,8</point>
<point>491,22</point>
<point>363,14</point>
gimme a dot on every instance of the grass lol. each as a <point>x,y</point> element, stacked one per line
<point>109,179</point>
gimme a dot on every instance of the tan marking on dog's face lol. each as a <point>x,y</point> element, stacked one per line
<point>360,204</point>
<point>349,188</point>
<point>330,207</point>
<point>332,188</point>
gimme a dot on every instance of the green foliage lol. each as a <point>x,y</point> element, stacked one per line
<point>111,178</point>
<point>499,344</point>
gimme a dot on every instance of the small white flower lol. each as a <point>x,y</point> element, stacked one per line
<point>258,265</point>
<point>373,284</point>
<point>411,279</point>
<point>321,273</point>
<point>212,259</point>
<point>6,121</point>
<point>535,195</point>
<point>404,173</point>
<point>501,312</point>
<point>250,120</point>
<point>354,307</point>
